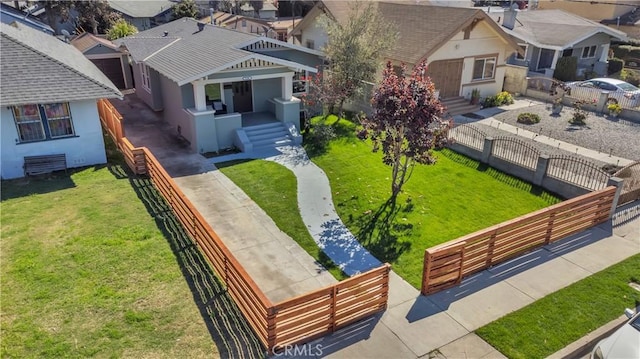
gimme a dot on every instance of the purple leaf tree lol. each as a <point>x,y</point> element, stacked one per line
<point>406,123</point>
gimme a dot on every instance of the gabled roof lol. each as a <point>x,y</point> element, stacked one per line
<point>141,8</point>
<point>556,29</point>
<point>266,6</point>
<point>38,68</point>
<point>422,28</point>
<point>87,41</point>
<point>185,53</point>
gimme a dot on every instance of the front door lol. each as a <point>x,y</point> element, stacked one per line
<point>446,76</point>
<point>546,58</point>
<point>242,97</point>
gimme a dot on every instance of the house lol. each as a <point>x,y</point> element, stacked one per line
<point>111,60</point>
<point>144,14</point>
<point>283,27</point>
<point>9,14</point>
<point>48,93</point>
<point>547,35</point>
<point>268,10</point>
<point>213,83</point>
<point>241,23</point>
<point>463,47</point>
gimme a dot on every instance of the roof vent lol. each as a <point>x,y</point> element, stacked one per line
<point>165,33</point>
<point>201,26</point>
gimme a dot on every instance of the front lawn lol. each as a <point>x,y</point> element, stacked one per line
<point>442,202</point>
<point>553,322</point>
<point>93,264</point>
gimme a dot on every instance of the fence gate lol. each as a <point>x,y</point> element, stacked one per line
<point>443,268</point>
<point>631,185</point>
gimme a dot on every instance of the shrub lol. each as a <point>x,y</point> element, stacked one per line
<point>579,114</point>
<point>319,135</point>
<point>626,51</point>
<point>615,65</point>
<point>528,118</point>
<point>503,98</point>
<point>566,69</point>
<point>614,108</point>
<point>630,76</point>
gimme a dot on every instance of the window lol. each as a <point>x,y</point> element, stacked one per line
<point>310,44</point>
<point>484,68</point>
<point>282,36</point>
<point>144,71</point>
<point>588,52</point>
<point>40,122</point>
<point>523,47</point>
<point>300,85</point>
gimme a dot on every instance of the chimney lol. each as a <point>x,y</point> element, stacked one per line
<point>211,14</point>
<point>201,26</point>
<point>510,17</point>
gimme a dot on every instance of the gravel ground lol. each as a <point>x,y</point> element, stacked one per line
<point>618,136</point>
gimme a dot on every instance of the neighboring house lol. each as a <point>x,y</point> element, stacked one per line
<point>9,14</point>
<point>144,14</point>
<point>48,93</point>
<point>242,23</point>
<point>111,60</point>
<point>463,47</point>
<point>268,10</point>
<point>592,10</point>
<point>547,35</point>
<point>283,27</point>
<point>213,83</point>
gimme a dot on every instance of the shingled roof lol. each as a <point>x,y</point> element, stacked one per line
<point>36,67</point>
<point>556,29</point>
<point>422,27</point>
<point>182,52</point>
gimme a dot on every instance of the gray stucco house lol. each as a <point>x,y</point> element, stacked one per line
<point>220,88</point>
<point>547,35</point>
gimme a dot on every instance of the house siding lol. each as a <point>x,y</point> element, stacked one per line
<point>153,99</point>
<point>295,56</point>
<point>174,112</point>
<point>263,91</point>
<point>595,40</point>
<point>85,149</point>
<point>316,33</point>
<point>482,41</point>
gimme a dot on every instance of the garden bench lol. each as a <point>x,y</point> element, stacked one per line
<point>35,165</point>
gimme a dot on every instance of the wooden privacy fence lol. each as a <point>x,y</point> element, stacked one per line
<point>445,265</point>
<point>288,322</point>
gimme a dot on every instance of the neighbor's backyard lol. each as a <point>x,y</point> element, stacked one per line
<point>455,197</point>
<point>92,265</point>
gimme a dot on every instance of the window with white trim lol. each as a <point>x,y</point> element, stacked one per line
<point>144,72</point>
<point>484,68</point>
<point>589,52</point>
<point>43,122</point>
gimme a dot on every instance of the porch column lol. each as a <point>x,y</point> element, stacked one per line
<point>199,95</point>
<point>287,86</point>
<point>556,55</point>
<point>604,56</point>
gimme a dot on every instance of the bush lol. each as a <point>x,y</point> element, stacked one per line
<point>615,65</point>
<point>528,118</point>
<point>566,69</point>
<point>319,136</point>
<point>626,51</point>
<point>630,76</point>
<point>503,98</point>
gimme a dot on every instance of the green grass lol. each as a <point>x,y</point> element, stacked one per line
<point>93,264</point>
<point>442,202</point>
<point>273,188</point>
<point>553,322</point>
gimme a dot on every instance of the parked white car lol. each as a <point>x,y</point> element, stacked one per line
<point>620,91</point>
<point>623,343</point>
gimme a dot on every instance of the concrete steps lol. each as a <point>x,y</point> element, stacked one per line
<point>268,135</point>
<point>458,106</point>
